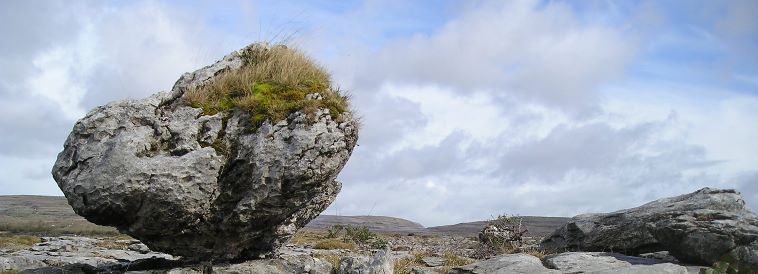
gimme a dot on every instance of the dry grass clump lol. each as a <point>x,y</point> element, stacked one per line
<point>272,83</point>
<point>17,242</point>
<point>452,260</point>
<point>306,237</point>
<point>334,244</point>
<point>536,252</point>
<point>332,259</point>
<point>404,265</point>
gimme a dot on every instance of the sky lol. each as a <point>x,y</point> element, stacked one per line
<point>470,109</point>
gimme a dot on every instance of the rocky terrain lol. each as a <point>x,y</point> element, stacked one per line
<point>703,227</point>
<point>313,250</point>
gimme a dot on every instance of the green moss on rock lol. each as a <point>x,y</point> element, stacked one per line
<point>272,83</point>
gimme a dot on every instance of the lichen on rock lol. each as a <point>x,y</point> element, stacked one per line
<point>205,185</point>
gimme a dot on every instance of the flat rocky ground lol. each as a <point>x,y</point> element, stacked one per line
<point>44,233</point>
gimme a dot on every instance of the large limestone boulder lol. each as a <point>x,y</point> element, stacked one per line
<point>703,227</point>
<point>203,186</point>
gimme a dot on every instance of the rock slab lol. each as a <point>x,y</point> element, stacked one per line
<point>602,262</point>
<point>506,264</point>
<point>199,186</point>
<point>703,227</point>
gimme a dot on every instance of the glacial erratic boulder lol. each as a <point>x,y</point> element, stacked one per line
<point>204,185</point>
<point>703,227</point>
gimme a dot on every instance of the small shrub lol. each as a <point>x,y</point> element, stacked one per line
<point>502,235</point>
<point>334,231</point>
<point>334,244</point>
<point>361,236</point>
<point>378,243</point>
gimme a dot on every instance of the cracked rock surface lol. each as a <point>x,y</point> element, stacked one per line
<point>206,187</point>
<point>702,227</point>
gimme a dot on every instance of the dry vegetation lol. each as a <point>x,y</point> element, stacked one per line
<point>55,227</point>
<point>332,259</point>
<point>452,260</point>
<point>272,83</point>
<point>334,244</point>
<point>45,216</point>
<point>17,242</point>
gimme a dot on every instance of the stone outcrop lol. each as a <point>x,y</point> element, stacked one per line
<point>380,263</point>
<point>601,262</point>
<point>519,263</point>
<point>571,263</point>
<point>703,227</point>
<point>85,255</point>
<point>80,253</point>
<point>194,185</point>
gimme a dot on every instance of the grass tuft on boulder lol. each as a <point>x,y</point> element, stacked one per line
<point>272,83</point>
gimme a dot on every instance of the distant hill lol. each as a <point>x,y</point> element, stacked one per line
<point>537,226</point>
<point>32,205</point>
<point>53,212</point>
<point>374,223</point>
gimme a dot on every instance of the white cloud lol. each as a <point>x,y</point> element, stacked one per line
<point>507,107</point>
<point>60,73</point>
<point>510,48</point>
<point>99,54</point>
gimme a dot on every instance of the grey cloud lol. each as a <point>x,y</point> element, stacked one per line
<point>33,126</point>
<point>376,166</point>
<point>747,183</point>
<point>385,119</point>
<point>519,48</point>
<point>590,147</point>
<point>588,167</point>
<point>136,50</point>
